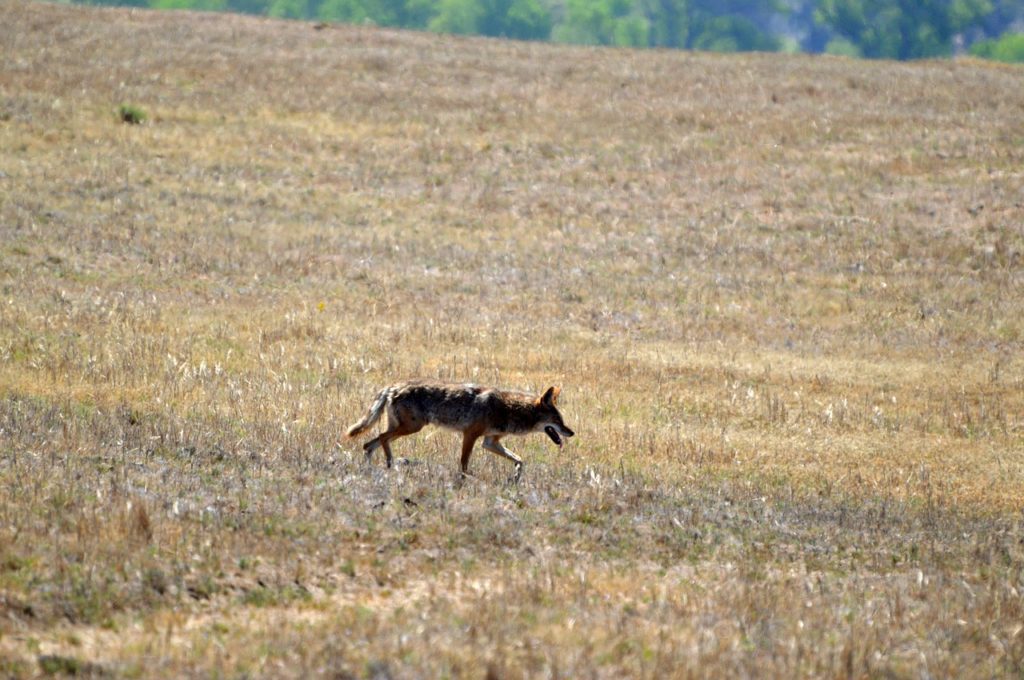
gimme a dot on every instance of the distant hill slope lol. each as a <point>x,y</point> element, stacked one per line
<point>449,130</point>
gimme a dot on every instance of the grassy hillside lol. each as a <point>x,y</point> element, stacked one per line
<point>782,295</point>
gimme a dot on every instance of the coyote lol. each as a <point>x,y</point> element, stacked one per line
<point>471,409</point>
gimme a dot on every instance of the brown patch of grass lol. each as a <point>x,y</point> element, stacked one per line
<point>781,295</point>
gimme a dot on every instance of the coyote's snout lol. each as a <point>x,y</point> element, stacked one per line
<point>471,409</point>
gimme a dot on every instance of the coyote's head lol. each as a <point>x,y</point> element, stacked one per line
<point>549,419</point>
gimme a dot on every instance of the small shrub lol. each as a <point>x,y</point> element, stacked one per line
<point>155,579</point>
<point>52,664</point>
<point>130,114</point>
<point>264,596</point>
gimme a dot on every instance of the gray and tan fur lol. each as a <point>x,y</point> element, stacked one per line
<point>474,410</point>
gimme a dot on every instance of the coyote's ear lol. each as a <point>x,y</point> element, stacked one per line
<point>551,396</point>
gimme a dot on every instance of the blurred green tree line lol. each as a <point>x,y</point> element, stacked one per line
<point>889,29</point>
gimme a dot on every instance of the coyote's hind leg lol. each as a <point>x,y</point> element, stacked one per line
<point>397,427</point>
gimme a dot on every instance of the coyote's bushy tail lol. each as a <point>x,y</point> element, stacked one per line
<point>373,415</point>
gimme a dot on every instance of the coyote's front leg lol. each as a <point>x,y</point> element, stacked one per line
<point>494,446</point>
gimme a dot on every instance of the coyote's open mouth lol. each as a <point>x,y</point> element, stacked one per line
<point>553,433</point>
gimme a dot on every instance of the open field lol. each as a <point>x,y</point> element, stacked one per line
<point>784,298</point>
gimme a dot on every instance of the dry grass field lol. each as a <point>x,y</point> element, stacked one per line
<point>783,295</point>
